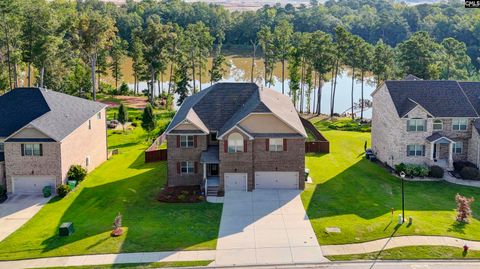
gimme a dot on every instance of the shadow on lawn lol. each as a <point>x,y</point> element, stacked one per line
<point>150,225</point>
<point>367,190</point>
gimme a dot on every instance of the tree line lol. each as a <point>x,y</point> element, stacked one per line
<point>71,45</point>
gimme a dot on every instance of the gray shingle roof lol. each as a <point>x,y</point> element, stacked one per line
<point>210,155</point>
<point>221,106</point>
<point>472,90</point>
<point>436,136</point>
<point>440,98</point>
<point>54,113</point>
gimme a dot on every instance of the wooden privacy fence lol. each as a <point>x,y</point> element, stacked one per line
<point>153,153</point>
<point>320,145</point>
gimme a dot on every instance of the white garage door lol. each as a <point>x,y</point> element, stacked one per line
<point>276,180</point>
<point>32,184</point>
<point>235,182</point>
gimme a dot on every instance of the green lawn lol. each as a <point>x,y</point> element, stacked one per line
<point>122,184</point>
<point>356,195</point>
<point>138,265</point>
<point>410,253</point>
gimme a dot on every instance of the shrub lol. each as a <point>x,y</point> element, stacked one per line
<point>459,165</point>
<point>76,172</point>
<point>469,173</point>
<point>400,167</point>
<point>124,90</point>
<point>436,171</point>
<point>134,124</point>
<point>47,191</point>
<point>421,170</point>
<point>63,190</point>
<point>463,207</point>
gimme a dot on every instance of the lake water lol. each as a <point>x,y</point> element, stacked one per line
<point>239,71</point>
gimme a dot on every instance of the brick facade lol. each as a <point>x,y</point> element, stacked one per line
<point>390,136</point>
<point>57,157</point>
<point>255,158</point>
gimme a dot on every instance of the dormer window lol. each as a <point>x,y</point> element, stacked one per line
<point>416,125</point>
<point>459,124</point>
<point>437,125</point>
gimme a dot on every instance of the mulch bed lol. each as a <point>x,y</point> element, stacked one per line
<point>181,194</point>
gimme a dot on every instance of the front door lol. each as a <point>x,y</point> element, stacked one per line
<point>214,169</point>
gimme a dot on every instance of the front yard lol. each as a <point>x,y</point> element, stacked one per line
<point>123,184</point>
<point>356,196</point>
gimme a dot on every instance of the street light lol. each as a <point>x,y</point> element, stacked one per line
<point>402,175</point>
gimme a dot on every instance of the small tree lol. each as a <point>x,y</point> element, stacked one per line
<point>463,208</point>
<point>76,172</point>
<point>148,119</point>
<point>123,90</point>
<point>122,115</point>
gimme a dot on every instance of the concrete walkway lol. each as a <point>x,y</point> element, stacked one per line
<point>17,210</point>
<point>470,183</point>
<point>394,242</point>
<point>141,257</point>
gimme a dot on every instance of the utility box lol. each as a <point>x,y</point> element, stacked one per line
<point>66,229</point>
<point>400,219</point>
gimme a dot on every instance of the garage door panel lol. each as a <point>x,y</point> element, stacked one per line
<point>276,180</point>
<point>235,181</point>
<point>32,184</point>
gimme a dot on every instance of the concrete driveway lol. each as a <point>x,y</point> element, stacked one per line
<point>17,210</point>
<point>265,227</point>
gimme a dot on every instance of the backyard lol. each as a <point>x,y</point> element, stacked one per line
<point>356,196</point>
<point>124,184</point>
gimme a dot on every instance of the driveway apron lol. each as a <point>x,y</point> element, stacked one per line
<point>266,227</point>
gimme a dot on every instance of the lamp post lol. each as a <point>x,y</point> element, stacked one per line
<point>402,175</point>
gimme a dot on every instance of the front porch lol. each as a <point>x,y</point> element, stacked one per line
<point>210,167</point>
<point>441,150</point>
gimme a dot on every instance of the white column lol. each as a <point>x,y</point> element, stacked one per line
<point>204,170</point>
<point>450,154</point>
<point>432,145</point>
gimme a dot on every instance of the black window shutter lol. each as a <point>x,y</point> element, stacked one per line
<point>423,151</point>
<point>408,154</point>
<point>22,147</point>
<point>41,149</point>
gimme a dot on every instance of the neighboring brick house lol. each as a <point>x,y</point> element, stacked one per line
<point>236,136</point>
<point>43,133</point>
<point>426,122</point>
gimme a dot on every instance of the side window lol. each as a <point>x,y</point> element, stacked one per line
<point>186,141</point>
<point>276,144</point>
<point>415,150</point>
<point>187,167</point>
<point>458,147</point>
<point>235,143</point>
<point>459,124</point>
<point>437,125</point>
<point>416,125</point>
<point>31,150</point>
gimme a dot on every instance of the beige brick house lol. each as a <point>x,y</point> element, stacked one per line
<point>426,122</point>
<point>43,133</point>
<point>236,136</point>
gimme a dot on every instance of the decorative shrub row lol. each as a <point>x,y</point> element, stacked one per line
<point>419,170</point>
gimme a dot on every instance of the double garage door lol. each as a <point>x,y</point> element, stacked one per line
<point>32,184</point>
<point>263,180</point>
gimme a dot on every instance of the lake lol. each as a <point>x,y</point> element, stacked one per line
<point>239,71</point>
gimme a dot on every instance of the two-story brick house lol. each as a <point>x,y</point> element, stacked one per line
<point>426,122</point>
<point>43,133</point>
<point>236,136</point>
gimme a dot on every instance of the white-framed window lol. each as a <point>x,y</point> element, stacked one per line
<point>437,125</point>
<point>415,150</point>
<point>2,147</point>
<point>187,167</point>
<point>416,125</point>
<point>458,147</point>
<point>32,150</point>
<point>89,124</point>
<point>235,143</point>
<point>186,141</point>
<point>99,115</point>
<point>275,144</point>
<point>459,124</point>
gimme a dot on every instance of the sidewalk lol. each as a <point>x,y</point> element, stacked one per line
<point>394,242</point>
<point>141,257</point>
<point>470,183</point>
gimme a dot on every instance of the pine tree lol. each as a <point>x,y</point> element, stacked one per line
<point>122,115</point>
<point>148,119</point>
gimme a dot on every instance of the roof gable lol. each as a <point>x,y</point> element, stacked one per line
<point>439,98</point>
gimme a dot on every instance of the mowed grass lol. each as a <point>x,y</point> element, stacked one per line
<point>413,252</point>
<point>357,196</point>
<point>138,265</point>
<point>124,184</point>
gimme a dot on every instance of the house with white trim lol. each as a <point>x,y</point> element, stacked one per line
<point>43,133</point>
<point>426,122</point>
<point>236,137</point>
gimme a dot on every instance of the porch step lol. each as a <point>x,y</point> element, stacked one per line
<point>212,191</point>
